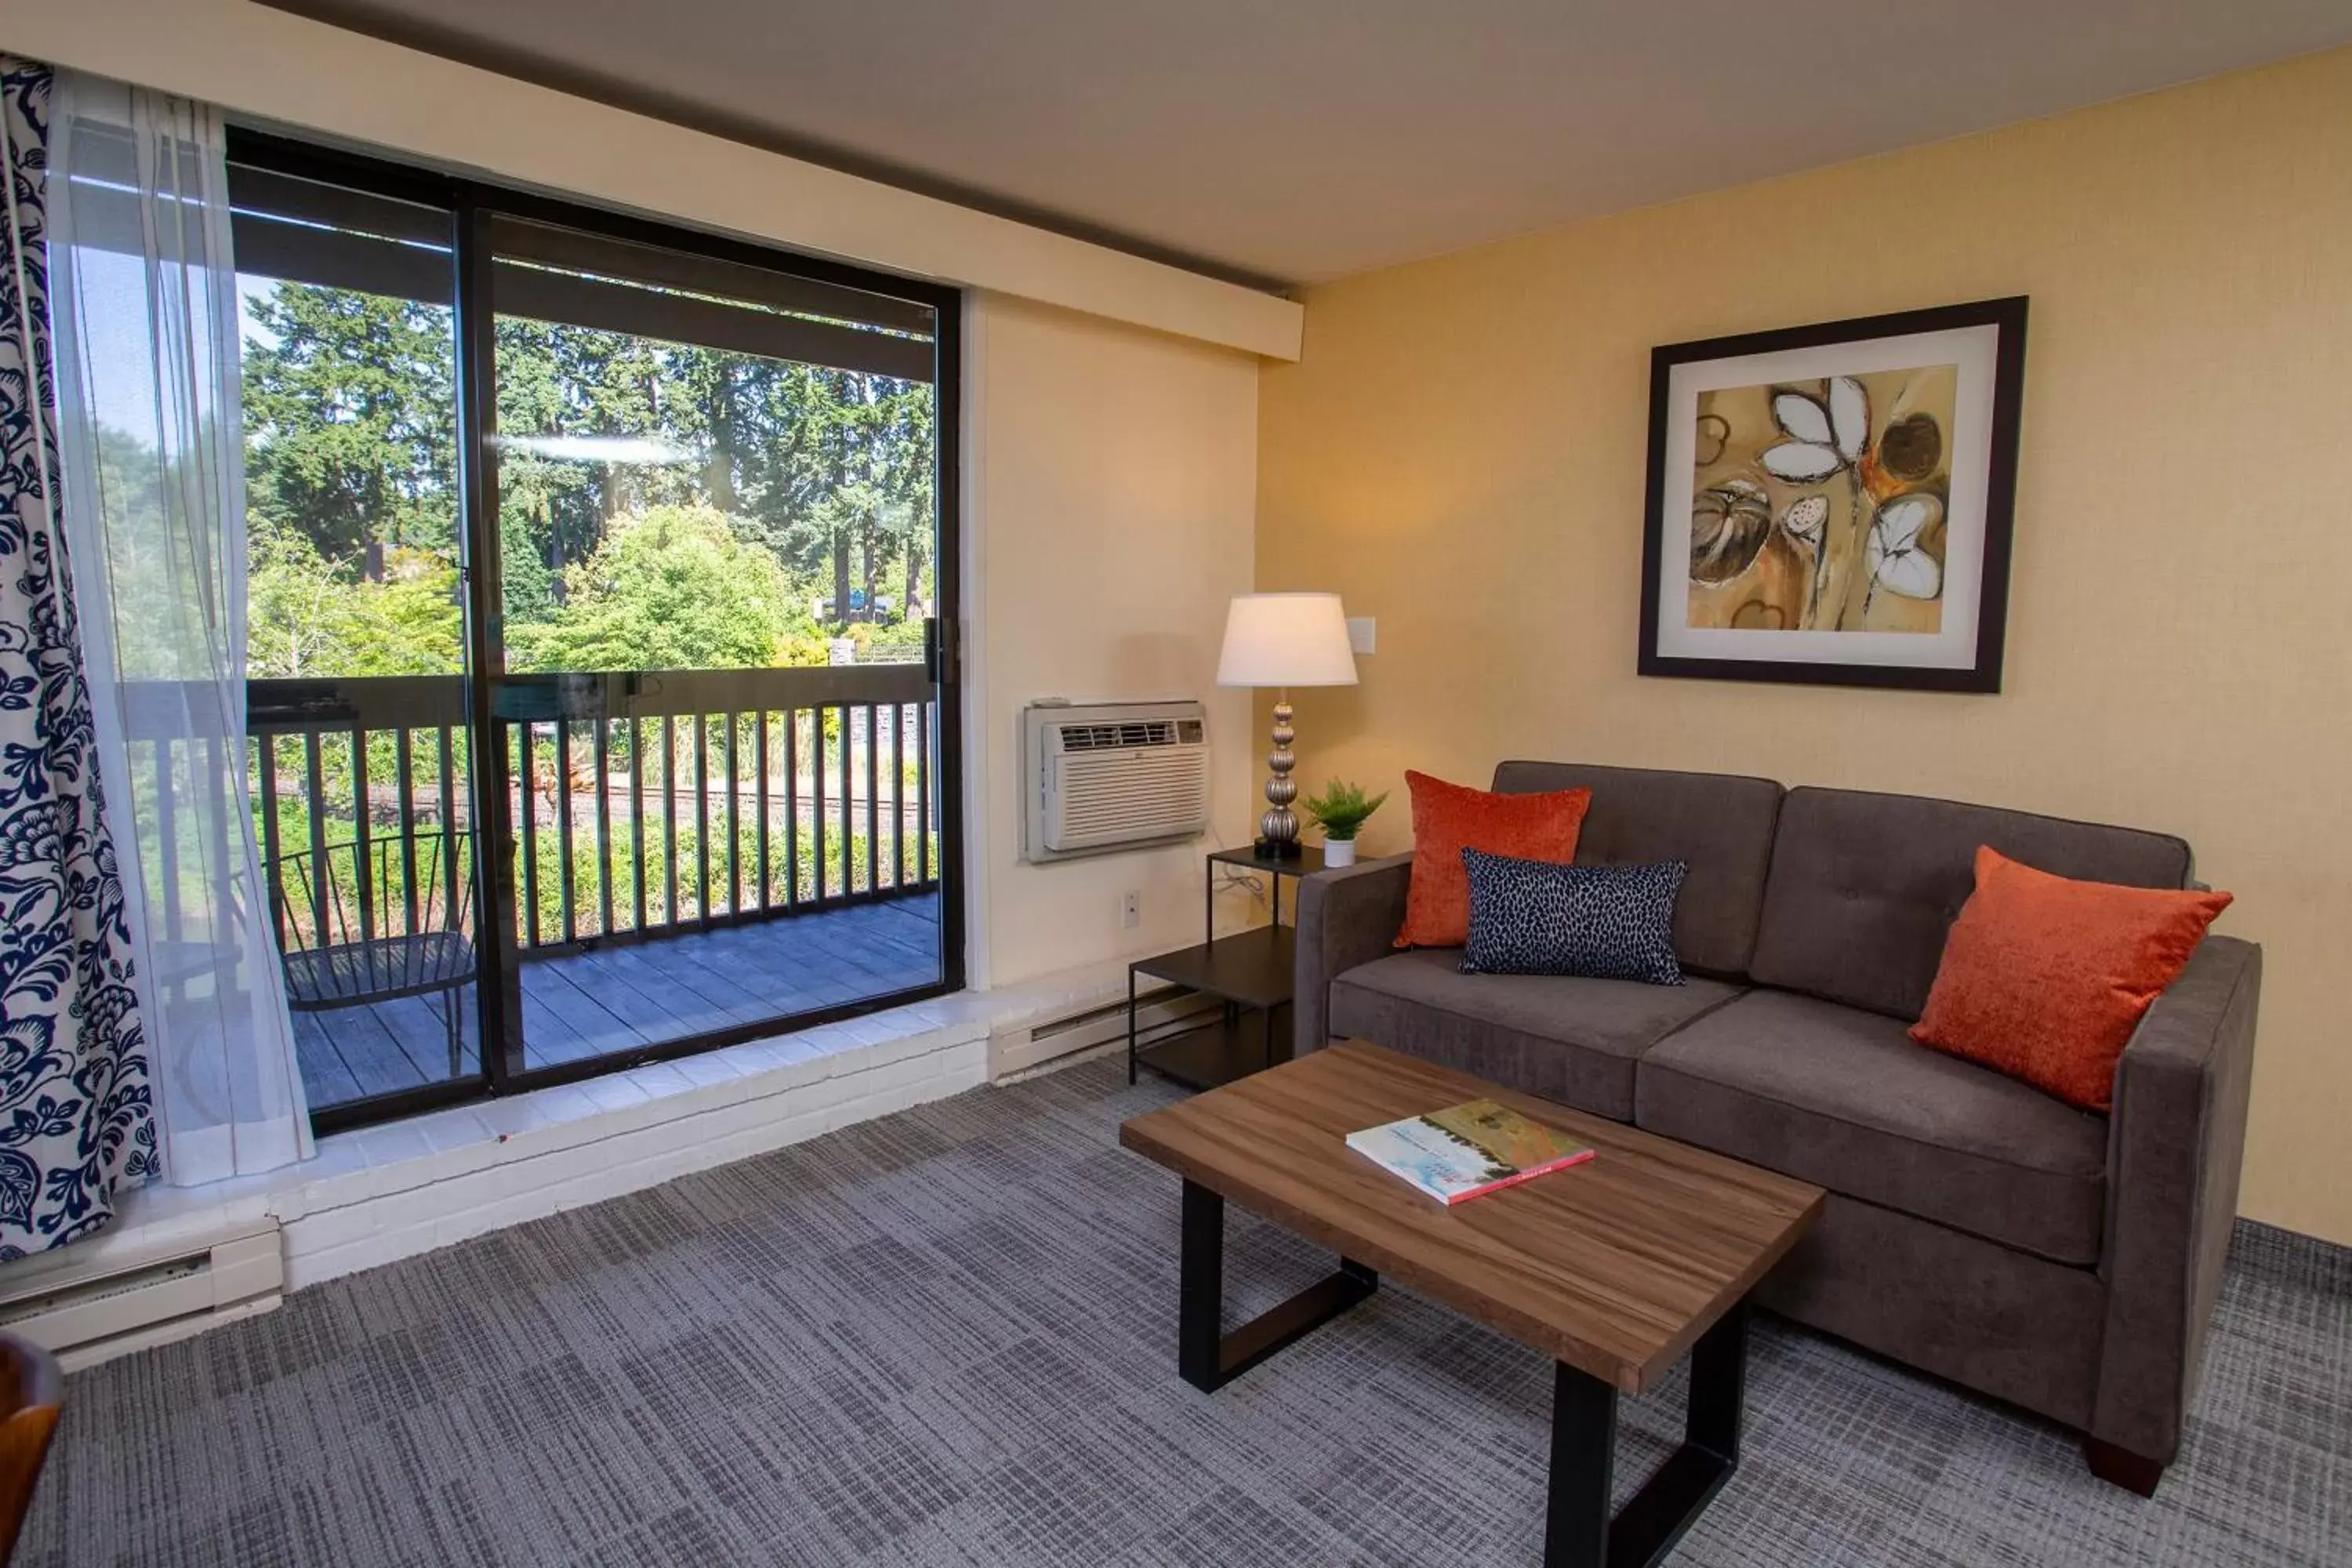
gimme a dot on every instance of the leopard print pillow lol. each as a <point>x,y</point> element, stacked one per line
<point>1603,922</point>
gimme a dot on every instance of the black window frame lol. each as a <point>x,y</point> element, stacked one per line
<point>474,206</point>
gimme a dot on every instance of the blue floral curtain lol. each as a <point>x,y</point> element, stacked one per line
<point>76,1119</point>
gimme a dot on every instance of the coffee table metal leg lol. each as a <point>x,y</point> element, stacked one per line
<point>1583,1466</point>
<point>1578,1532</point>
<point>1201,1290</point>
<point>1207,1359</point>
<point>1718,1387</point>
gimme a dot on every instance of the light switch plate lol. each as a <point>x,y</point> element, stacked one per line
<point>1359,633</point>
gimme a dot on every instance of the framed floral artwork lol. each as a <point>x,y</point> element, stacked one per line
<point>1832,504</point>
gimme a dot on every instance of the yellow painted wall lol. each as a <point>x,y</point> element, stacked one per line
<point>1460,454</point>
<point>1109,494</point>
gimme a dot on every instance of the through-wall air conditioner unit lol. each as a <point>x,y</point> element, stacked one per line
<point>1113,775</point>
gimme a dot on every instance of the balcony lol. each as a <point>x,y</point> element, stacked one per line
<point>693,852</point>
<point>602,998</point>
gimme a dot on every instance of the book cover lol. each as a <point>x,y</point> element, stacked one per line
<point>1465,1150</point>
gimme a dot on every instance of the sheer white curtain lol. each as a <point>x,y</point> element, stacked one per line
<point>147,322</point>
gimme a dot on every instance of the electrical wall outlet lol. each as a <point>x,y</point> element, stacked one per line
<point>1130,909</point>
<point>1360,630</point>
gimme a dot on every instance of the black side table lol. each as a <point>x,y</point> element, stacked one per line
<point>1249,972</point>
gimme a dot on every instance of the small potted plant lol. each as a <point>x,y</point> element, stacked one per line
<point>1341,811</point>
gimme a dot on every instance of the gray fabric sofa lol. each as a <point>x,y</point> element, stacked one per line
<point>1977,1228</point>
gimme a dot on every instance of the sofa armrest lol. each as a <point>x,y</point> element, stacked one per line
<point>2174,1141</point>
<point>1346,917</point>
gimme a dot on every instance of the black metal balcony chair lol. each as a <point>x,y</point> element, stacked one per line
<point>383,922</point>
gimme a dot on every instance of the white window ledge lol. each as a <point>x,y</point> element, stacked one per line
<point>388,1192</point>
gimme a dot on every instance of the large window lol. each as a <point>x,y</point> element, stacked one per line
<point>596,591</point>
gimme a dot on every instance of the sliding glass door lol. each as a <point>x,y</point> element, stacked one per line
<point>356,648</point>
<point>716,505</point>
<point>603,678</point>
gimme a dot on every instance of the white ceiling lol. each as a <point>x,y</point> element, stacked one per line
<point>1299,140</point>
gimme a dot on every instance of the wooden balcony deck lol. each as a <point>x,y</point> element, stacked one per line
<point>622,996</point>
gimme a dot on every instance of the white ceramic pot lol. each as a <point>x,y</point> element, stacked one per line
<point>1339,852</point>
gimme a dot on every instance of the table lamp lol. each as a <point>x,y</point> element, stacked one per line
<point>1284,640</point>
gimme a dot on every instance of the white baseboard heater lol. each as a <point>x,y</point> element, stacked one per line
<point>1050,1041</point>
<point>108,1304</point>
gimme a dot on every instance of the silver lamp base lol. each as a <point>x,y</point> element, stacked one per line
<point>1277,830</point>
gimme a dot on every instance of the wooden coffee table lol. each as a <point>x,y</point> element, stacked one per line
<point>1615,1269</point>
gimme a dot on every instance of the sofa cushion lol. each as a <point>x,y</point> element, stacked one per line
<point>1568,1039</point>
<point>1863,887</point>
<point>1843,1098</point>
<point>1719,824</point>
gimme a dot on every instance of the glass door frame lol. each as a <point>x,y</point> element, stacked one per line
<point>497,990</point>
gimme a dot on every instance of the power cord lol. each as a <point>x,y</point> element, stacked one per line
<point>1229,877</point>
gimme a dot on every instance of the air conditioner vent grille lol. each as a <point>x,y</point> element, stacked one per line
<point>1110,799</point>
<point>1118,737</point>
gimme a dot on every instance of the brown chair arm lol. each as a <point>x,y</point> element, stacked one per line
<point>31,1392</point>
<point>2175,1139</point>
<point>1346,917</point>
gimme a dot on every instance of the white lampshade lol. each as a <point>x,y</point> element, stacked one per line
<point>1286,639</point>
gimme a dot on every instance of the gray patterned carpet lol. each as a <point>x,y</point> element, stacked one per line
<point>948,1337</point>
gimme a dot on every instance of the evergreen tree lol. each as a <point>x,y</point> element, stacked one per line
<point>351,420</point>
<point>350,405</point>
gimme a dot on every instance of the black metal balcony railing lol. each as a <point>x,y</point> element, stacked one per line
<point>642,804</point>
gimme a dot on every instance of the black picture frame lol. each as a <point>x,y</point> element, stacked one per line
<point>2008,317</point>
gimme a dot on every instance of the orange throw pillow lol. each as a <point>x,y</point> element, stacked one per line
<point>2044,977</point>
<point>1448,818</point>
